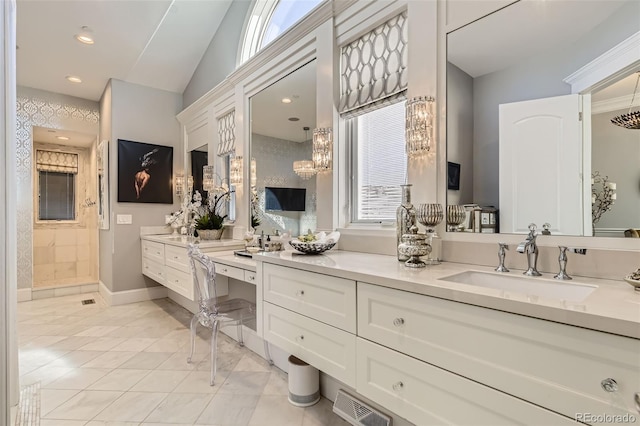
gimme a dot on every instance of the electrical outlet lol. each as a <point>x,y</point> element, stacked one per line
<point>124,219</point>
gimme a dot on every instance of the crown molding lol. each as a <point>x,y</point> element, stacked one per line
<point>614,104</point>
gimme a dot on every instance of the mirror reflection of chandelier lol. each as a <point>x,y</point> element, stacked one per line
<point>304,169</point>
<point>630,120</point>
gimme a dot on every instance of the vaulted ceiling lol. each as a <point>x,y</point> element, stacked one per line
<point>155,43</point>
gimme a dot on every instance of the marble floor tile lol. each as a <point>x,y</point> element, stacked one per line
<point>166,345</point>
<point>160,381</point>
<point>180,408</point>
<point>102,344</point>
<point>110,423</point>
<point>134,344</point>
<point>277,384</point>
<point>321,414</point>
<point>198,382</point>
<point>72,343</point>
<point>110,360</point>
<point>274,410</point>
<point>227,409</point>
<point>131,406</point>
<point>44,375</point>
<point>97,331</point>
<point>119,380</point>
<point>76,358</point>
<point>84,406</point>
<point>48,422</point>
<point>146,360</point>
<point>252,362</point>
<point>53,398</point>
<point>178,361</point>
<point>245,383</point>
<point>78,378</point>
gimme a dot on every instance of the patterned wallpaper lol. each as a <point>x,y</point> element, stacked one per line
<point>43,109</point>
<point>274,163</point>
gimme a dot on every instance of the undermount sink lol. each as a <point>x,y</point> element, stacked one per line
<point>526,285</point>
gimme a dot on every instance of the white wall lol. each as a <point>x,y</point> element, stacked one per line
<point>139,114</point>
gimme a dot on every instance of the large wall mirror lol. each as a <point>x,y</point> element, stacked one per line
<point>519,151</point>
<point>283,117</point>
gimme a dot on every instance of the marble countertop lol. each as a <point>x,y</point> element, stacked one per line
<point>613,307</point>
<point>183,241</point>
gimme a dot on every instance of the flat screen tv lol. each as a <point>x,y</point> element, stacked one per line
<point>285,199</point>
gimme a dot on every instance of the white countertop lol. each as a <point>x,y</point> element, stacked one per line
<point>612,307</point>
<point>183,241</point>
<point>230,259</point>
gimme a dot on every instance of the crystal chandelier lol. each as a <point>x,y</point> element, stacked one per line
<point>419,125</point>
<point>322,149</point>
<point>630,120</point>
<point>304,169</point>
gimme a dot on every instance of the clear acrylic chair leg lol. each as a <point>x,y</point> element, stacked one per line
<point>214,350</point>
<point>194,329</point>
<point>240,335</point>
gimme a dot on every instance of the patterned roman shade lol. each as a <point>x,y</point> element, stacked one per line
<point>227,132</point>
<point>55,161</point>
<point>373,68</point>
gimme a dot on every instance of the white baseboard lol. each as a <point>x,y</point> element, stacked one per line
<point>131,296</point>
<point>24,294</point>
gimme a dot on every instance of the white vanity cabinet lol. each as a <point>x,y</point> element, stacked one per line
<point>557,366</point>
<point>312,316</point>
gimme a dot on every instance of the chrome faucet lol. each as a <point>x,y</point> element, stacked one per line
<point>562,260</point>
<point>530,248</point>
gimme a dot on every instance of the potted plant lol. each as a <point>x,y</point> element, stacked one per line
<point>210,223</point>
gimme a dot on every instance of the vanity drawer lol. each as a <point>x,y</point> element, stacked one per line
<point>153,270</point>
<point>328,299</point>
<point>427,395</point>
<point>180,282</point>
<point>153,250</point>
<point>250,277</point>
<point>328,349</point>
<point>177,257</point>
<point>229,271</point>
<point>549,364</point>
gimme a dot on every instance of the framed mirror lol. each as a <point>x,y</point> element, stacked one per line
<point>283,117</point>
<point>518,155</point>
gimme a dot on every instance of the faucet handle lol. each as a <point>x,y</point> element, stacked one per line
<point>562,261</point>
<point>533,227</point>
<point>503,246</point>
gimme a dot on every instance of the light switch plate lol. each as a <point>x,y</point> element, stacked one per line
<point>124,219</point>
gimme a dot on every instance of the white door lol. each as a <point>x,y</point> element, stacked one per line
<point>541,165</point>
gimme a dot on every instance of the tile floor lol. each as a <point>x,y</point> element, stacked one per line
<point>96,365</point>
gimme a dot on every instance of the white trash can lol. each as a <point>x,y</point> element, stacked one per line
<point>304,383</point>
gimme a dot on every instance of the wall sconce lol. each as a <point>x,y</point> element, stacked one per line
<point>254,173</point>
<point>322,149</point>
<point>179,185</point>
<point>419,125</point>
<point>208,182</point>
<point>190,185</point>
<point>304,169</point>
<point>235,170</point>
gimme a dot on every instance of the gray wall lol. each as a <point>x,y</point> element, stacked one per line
<point>538,77</point>
<point>140,114</point>
<point>460,131</point>
<point>274,164</point>
<point>616,153</point>
<point>219,60</point>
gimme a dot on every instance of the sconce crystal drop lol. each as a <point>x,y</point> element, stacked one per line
<point>179,185</point>
<point>189,184</point>
<point>235,170</point>
<point>322,149</point>
<point>208,182</point>
<point>419,125</point>
<point>304,169</point>
<point>254,173</point>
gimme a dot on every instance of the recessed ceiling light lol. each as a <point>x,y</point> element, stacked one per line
<point>286,100</point>
<point>73,79</point>
<point>62,138</point>
<point>85,35</point>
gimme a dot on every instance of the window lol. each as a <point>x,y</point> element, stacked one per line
<point>270,18</point>
<point>56,197</point>
<point>379,163</point>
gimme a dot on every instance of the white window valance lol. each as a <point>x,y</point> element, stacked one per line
<point>227,132</point>
<point>373,68</point>
<point>55,161</point>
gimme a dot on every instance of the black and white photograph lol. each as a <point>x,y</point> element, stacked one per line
<point>144,173</point>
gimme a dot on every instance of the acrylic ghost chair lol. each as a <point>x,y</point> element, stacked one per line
<point>213,313</point>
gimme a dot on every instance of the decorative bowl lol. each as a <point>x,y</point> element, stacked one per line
<point>312,247</point>
<point>634,283</point>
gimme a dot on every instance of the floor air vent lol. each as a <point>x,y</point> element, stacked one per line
<point>88,301</point>
<point>357,413</point>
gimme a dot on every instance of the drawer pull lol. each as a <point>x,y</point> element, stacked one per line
<point>300,293</point>
<point>301,337</point>
<point>610,385</point>
<point>398,386</point>
<point>398,322</point>
<point>636,398</point>
<point>176,257</point>
<point>224,269</point>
